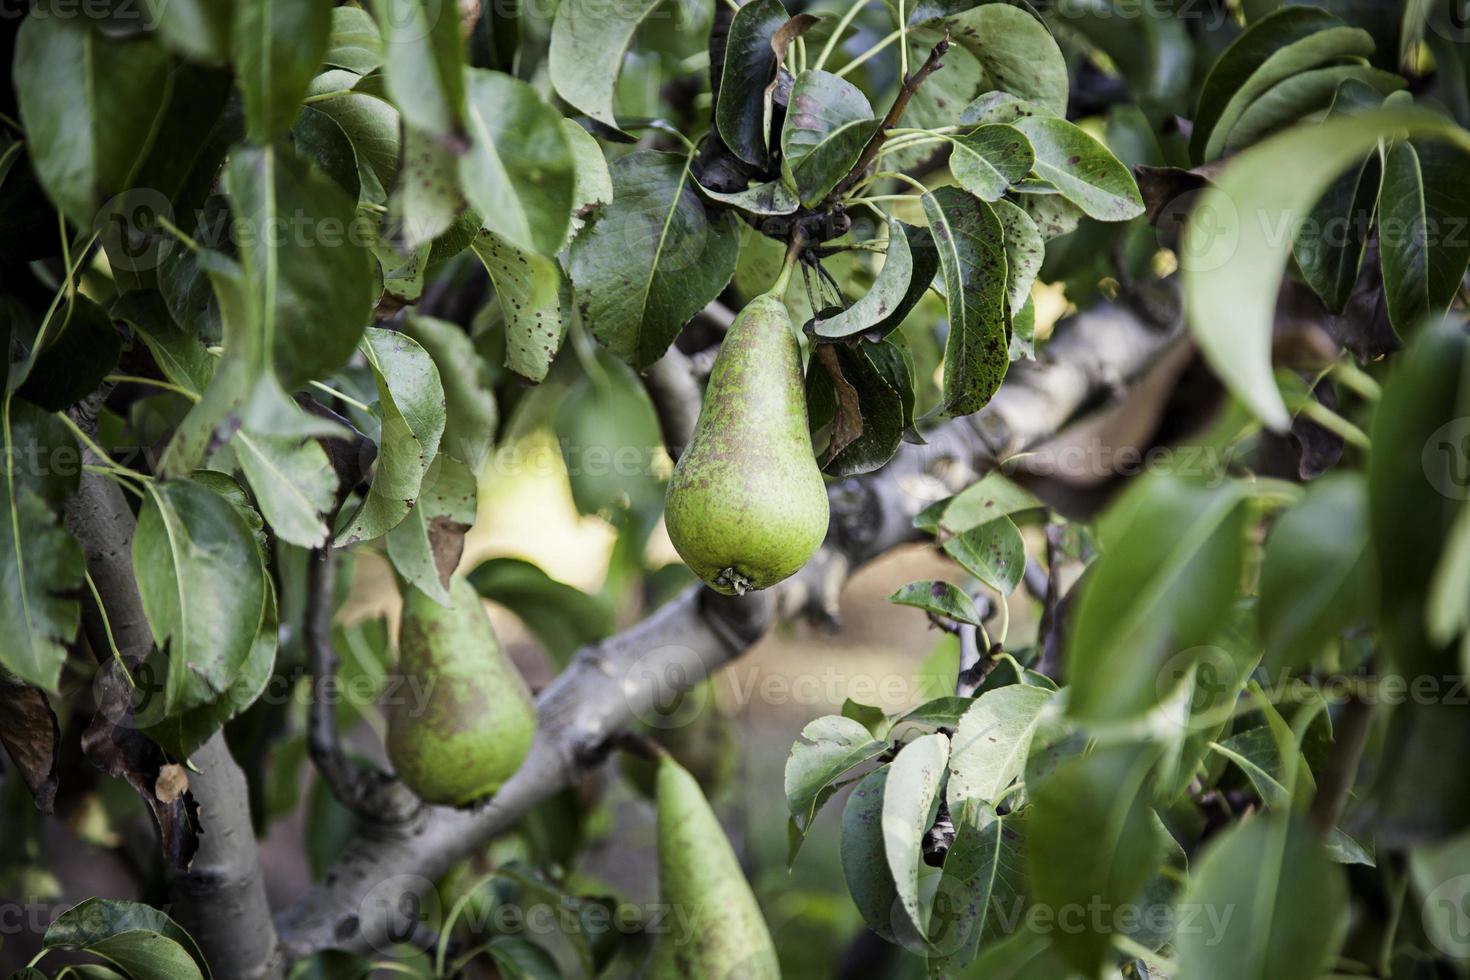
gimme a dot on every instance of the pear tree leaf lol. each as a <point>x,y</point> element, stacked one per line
<point>1016,51</point>
<point>1025,252</point>
<point>355,42</point>
<point>1315,577</point>
<point>984,881</point>
<point>652,258</point>
<point>519,173</point>
<point>1329,248</point>
<point>1324,47</point>
<point>828,122</point>
<point>427,199</point>
<point>993,496</point>
<point>424,64</point>
<point>772,197</point>
<point>971,245</point>
<point>938,599</point>
<point>909,266</point>
<point>1270,871</point>
<point>277,47</point>
<point>309,279</point>
<point>535,299</point>
<point>191,542</point>
<point>910,799</point>
<point>592,187</point>
<point>1421,230</point>
<point>183,734</point>
<point>471,414</point>
<point>1301,95</point>
<point>41,561</point>
<point>741,112</point>
<point>853,376</point>
<point>993,552</point>
<point>1090,838</point>
<point>293,482</point>
<point>410,410</point>
<point>864,856</point>
<point>588,41</point>
<point>989,159</point>
<point>70,362</point>
<point>1084,170</point>
<point>426,546</point>
<point>1232,269</point>
<point>88,104</point>
<point>834,746</point>
<point>1247,53</point>
<point>115,930</point>
<point>1173,555</point>
<point>1000,109</point>
<point>198,29</point>
<point>992,742</point>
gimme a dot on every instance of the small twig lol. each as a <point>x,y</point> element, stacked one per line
<point>637,743</point>
<point>1335,782</point>
<point>874,146</point>
<point>1048,630</point>
<point>359,790</point>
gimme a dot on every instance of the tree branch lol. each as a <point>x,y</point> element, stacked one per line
<point>369,794</point>
<point>874,145</point>
<point>675,395</point>
<point>608,685</point>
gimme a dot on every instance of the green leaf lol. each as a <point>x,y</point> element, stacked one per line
<point>1081,168</point>
<point>592,187</point>
<point>772,197</point>
<point>588,41</point>
<point>310,278</point>
<point>742,110</point>
<point>411,412</point>
<point>1312,51</point>
<point>652,258</point>
<point>1302,95</point>
<point>982,885</point>
<point>1233,261</point>
<point>535,300</point>
<point>293,483</point>
<point>1016,50</point>
<point>427,200</point>
<point>993,552</point>
<point>909,802</point>
<point>992,742</point>
<point>521,959</point>
<point>563,618</point>
<point>182,735</point>
<point>199,29</point>
<point>1316,578</point>
<point>992,497</point>
<point>1329,248</point>
<point>971,246</point>
<point>1417,487</point>
<point>471,414</point>
<point>423,54</point>
<point>426,545</point>
<point>1173,554</point>
<point>88,105</point>
<point>1289,905</point>
<point>1245,55</point>
<point>864,856</point>
<point>1025,251</point>
<point>864,390</point>
<point>609,437</point>
<point>1090,842</point>
<point>191,543</point>
<point>78,351</point>
<point>828,122</point>
<point>909,266</point>
<point>519,173</point>
<point>1422,245</point>
<point>41,564</point>
<point>834,747</point>
<point>97,919</point>
<point>355,43</point>
<point>938,599</point>
<point>989,159</point>
<point>277,47</point>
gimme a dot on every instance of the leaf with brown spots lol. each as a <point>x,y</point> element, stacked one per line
<point>29,730</point>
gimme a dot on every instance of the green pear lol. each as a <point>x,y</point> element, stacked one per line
<point>698,737</point>
<point>746,506</point>
<point>713,927</point>
<point>463,720</point>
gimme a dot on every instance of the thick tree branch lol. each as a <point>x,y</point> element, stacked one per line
<point>360,902</point>
<point>674,392</point>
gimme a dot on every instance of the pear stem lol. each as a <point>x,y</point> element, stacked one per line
<point>793,253</point>
<point>636,743</point>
